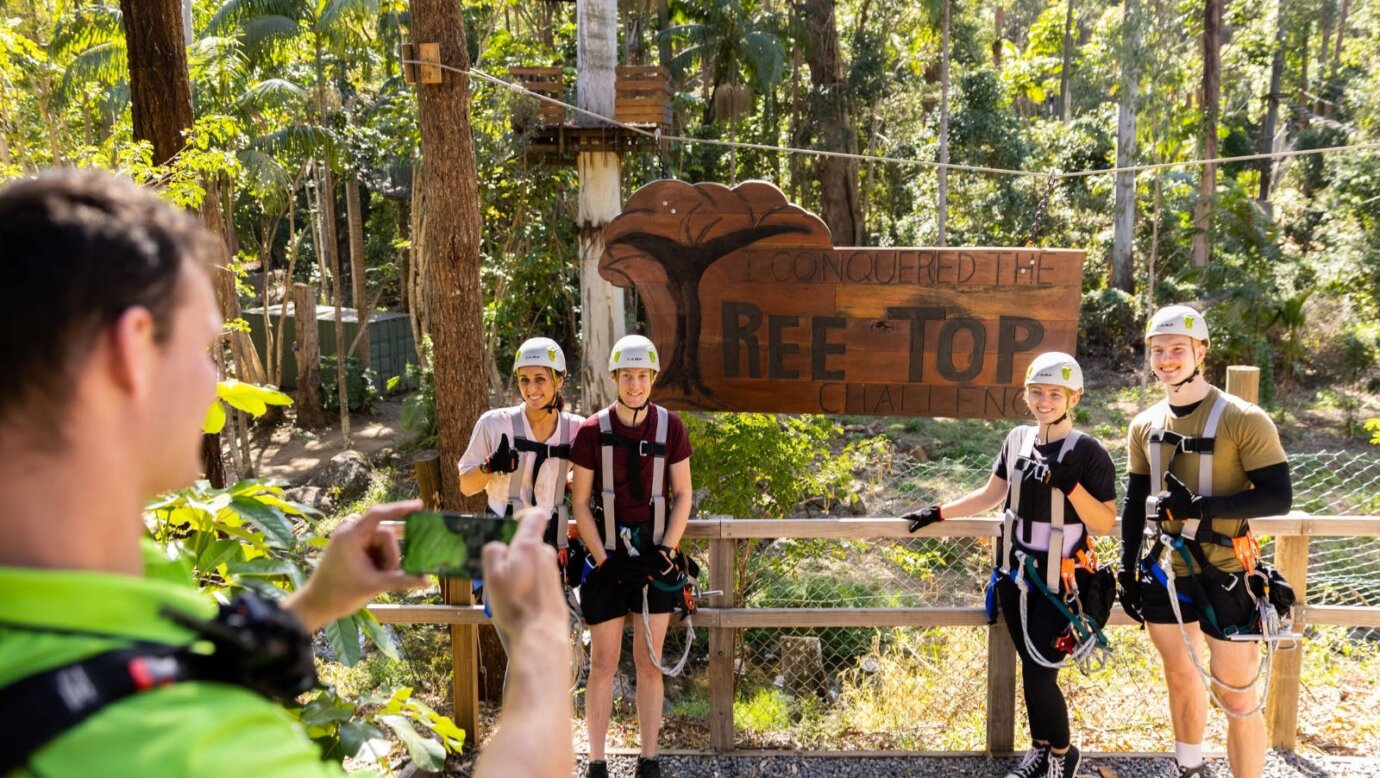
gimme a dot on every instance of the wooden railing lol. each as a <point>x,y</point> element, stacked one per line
<point>1291,533</point>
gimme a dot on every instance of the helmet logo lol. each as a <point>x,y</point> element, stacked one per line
<point>651,355</point>
<point>1067,372</point>
<point>551,354</point>
<point>615,355</point>
<point>1188,322</point>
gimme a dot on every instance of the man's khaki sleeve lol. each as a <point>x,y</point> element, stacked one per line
<point>1257,440</point>
<point>1137,461</point>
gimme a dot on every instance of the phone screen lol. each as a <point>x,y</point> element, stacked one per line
<point>450,544</point>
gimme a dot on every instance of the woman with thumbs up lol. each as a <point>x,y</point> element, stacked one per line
<point>520,455</point>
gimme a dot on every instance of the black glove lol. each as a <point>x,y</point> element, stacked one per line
<point>1129,594</point>
<point>923,517</point>
<point>1177,503</point>
<point>661,565</point>
<point>503,460</point>
<point>1057,476</point>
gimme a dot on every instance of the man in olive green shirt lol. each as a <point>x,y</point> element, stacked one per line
<point>1211,461</point>
<point>107,316</point>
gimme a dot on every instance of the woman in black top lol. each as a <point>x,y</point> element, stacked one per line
<point>1035,462</point>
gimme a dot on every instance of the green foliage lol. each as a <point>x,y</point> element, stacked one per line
<point>253,400</point>
<point>764,465</point>
<point>765,710</point>
<point>419,409</point>
<point>1109,322</point>
<point>360,388</point>
<point>1373,425</point>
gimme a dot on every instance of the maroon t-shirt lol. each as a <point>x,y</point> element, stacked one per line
<point>585,453</point>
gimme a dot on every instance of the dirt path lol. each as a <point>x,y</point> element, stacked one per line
<point>291,455</point>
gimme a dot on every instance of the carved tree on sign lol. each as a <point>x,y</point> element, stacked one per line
<point>683,230</point>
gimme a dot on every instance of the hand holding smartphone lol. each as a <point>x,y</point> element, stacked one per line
<point>450,544</point>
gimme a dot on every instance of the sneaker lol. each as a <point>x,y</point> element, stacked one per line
<point>1064,765</point>
<point>1193,772</point>
<point>1034,765</point>
<point>648,768</point>
<point>598,769</point>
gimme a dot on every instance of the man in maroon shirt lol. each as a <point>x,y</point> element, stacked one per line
<point>631,452</point>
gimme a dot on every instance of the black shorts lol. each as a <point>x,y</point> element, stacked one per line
<point>604,598</point>
<point>1232,604</point>
<point>616,590</point>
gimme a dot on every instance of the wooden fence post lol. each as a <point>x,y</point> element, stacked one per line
<point>1291,559</point>
<point>721,646</point>
<point>1001,683</point>
<point>464,644</point>
<point>1282,695</point>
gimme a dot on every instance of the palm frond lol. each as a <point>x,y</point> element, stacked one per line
<point>268,177</point>
<point>338,11</point>
<point>263,32</point>
<point>765,58</point>
<point>272,93</point>
<point>104,63</point>
<point>86,27</point>
<point>297,142</point>
<point>234,13</point>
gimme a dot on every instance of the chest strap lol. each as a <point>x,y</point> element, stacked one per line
<point>637,449</point>
<point>1202,446</point>
<point>1027,459</point>
<point>522,485</point>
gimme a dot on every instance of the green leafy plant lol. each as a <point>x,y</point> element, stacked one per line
<point>419,409</point>
<point>360,388</point>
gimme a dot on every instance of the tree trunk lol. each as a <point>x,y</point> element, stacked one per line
<point>306,350</point>
<point>1341,35</point>
<point>942,215</point>
<point>160,95</point>
<point>999,19</point>
<point>452,236</point>
<point>1065,99</point>
<point>354,216</point>
<point>1207,189</point>
<point>600,199</point>
<point>1124,213</point>
<point>1267,130</point>
<point>839,205</point>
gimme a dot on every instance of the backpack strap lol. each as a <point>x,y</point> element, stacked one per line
<point>515,480</point>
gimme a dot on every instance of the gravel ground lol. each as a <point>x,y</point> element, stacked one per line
<point>853,767</point>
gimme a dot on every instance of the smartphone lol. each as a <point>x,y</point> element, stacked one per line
<point>450,544</point>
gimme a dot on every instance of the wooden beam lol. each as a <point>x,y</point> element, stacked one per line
<point>1339,615</point>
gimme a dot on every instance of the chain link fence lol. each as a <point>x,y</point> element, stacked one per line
<point>925,689</point>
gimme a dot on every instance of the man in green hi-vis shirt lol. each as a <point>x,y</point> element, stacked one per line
<point>106,319</point>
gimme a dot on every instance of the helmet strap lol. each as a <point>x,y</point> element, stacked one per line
<point>636,409</point>
<point>1180,385</point>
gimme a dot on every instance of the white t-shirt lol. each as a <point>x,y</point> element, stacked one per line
<point>489,430</point>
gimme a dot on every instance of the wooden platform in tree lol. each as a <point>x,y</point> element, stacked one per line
<point>643,99</point>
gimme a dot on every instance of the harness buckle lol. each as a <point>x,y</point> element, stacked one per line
<point>1066,570</point>
<point>644,448</point>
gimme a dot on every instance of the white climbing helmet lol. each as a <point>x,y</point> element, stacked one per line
<point>1177,320</point>
<point>540,352</point>
<point>634,351</point>
<point>1057,368</point>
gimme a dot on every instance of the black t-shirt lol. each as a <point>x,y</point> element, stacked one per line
<point>1088,458</point>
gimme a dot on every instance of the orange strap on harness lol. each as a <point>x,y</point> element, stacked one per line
<point>1084,558</point>
<point>1247,550</point>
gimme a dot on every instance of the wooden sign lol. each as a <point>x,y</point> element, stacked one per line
<point>753,309</point>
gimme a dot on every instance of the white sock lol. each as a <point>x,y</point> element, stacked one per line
<point>1188,754</point>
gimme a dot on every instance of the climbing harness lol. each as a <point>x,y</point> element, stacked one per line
<point>637,449</point>
<point>1089,648</point>
<point>1271,595</point>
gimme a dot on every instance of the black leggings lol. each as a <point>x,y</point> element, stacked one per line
<point>1044,702</point>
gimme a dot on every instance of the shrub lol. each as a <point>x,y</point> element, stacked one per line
<point>1109,323</point>
<point>360,386</point>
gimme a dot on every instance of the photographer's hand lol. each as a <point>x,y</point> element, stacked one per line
<point>523,581</point>
<point>360,562</point>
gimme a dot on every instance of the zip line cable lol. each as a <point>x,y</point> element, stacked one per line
<point>657,135</point>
